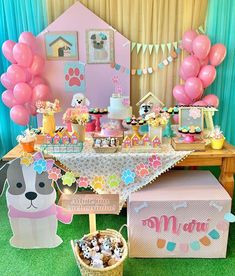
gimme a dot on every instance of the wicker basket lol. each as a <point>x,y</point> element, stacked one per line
<point>107,149</point>
<point>114,270</point>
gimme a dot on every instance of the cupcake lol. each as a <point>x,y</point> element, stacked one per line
<point>141,122</point>
<point>170,110</point>
<point>164,109</point>
<point>198,130</point>
<point>128,121</point>
<point>134,122</point>
<point>176,110</point>
<point>192,130</point>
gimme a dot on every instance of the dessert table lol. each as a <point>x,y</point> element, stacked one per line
<point>224,158</point>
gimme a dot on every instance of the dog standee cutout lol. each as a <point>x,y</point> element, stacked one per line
<point>32,211</point>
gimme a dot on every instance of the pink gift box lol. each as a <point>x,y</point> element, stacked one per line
<point>180,215</point>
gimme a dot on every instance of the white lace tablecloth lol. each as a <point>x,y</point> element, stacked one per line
<point>122,173</point>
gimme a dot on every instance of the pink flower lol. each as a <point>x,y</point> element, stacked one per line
<point>83,182</point>
<point>142,170</point>
<point>54,174</point>
<point>195,113</point>
<point>155,161</point>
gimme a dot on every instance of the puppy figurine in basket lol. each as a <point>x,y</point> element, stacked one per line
<point>33,214</point>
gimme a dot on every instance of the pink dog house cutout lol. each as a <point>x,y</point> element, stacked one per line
<point>99,85</point>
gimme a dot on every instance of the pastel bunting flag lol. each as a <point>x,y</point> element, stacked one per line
<point>168,46</point>
<point>133,71</point>
<point>133,44</point>
<point>117,66</point>
<point>156,46</point>
<point>150,70</point>
<point>170,59</point>
<point>165,62</point>
<point>123,69</point>
<point>163,46</point>
<point>150,48</point>
<point>139,45</point>
<point>144,47</point>
<point>145,71</point>
<point>139,72</point>
<point>128,71</point>
<point>160,65</point>
<point>201,29</point>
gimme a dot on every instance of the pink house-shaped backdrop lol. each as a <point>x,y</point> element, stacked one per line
<point>99,85</point>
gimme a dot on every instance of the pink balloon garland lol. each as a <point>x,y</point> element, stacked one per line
<point>22,80</point>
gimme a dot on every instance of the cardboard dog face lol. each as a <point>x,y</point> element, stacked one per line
<point>145,109</point>
<point>27,190</point>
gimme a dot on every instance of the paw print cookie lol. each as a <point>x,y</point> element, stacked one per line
<point>68,179</point>
<point>74,77</point>
<point>128,177</point>
<point>113,181</point>
<point>142,170</point>
<point>40,166</point>
<point>98,182</point>
<point>155,161</point>
<point>83,182</point>
<point>26,159</point>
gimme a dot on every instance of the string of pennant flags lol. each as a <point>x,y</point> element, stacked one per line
<point>155,47</point>
<point>147,70</point>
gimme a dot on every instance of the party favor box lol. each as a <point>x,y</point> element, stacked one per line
<point>181,215</point>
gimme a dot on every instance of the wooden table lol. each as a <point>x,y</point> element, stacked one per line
<point>224,158</point>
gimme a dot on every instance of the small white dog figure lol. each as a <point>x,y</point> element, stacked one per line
<point>79,100</point>
<point>33,214</point>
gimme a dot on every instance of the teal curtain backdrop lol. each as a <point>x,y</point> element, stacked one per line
<point>220,27</point>
<point>16,16</point>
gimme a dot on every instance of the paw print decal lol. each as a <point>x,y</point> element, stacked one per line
<point>83,182</point>
<point>155,161</point>
<point>74,77</point>
<point>98,182</point>
<point>68,179</point>
<point>128,177</point>
<point>54,174</point>
<point>113,180</point>
<point>40,166</point>
<point>142,170</point>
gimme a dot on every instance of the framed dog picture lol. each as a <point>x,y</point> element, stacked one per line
<point>61,45</point>
<point>100,46</point>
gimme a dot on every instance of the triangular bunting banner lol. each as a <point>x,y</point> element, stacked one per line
<point>139,72</point>
<point>133,44</point>
<point>175,44</point>
<point>144,48</point>
<point>169,46</point>
<point>139,45</point>
<point>163,46</point>
<point>150,48</point>
<point>156,46</point>
<point>201,29</point>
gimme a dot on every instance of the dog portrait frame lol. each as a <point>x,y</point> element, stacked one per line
<point>100,46</point>
<point>61,45</point>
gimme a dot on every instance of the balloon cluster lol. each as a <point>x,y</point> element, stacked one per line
<point>198,70</point>
<point>22,80</point>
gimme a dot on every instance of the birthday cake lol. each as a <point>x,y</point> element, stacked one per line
<point>119,107</point>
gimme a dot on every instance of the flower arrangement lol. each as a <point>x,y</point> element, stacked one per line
<point>78,115</point>
<point>27,140</point>
<point>46,107</point>
<point>157,119</point>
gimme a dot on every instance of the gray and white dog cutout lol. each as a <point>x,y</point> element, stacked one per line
<point>32,211</point>
<point>145,109</point>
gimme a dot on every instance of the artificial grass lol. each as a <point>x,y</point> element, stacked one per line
<point>60,261</point>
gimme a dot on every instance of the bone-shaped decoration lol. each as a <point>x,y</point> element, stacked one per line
<point>180,205</point>
<point>144,205</point>
<point>216,205</point>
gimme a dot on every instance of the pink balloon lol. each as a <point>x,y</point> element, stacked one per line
<point>200,103</point>
<point>180,95</point>
<point>22,92</point>
<point>20,115</point>
<point>36,80</point>
<point>207,75</point>
<point>29,39</point>
<point>217,54</point>
<point>212,100</point>
<point>187,40</point>
<point>204,62</point>
<point>22,54</point>
<point>16,74</point>
<point>41,92</point>
<point>9,99</point>
<point>201,46</point>
<point>190,67</point>
<point>31,108</point>
<point>6,81</point>
<point>7,49</point>
<point>193,88</point>
<point>37,65</point>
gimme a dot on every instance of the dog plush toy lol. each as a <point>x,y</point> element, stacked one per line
<point>79,100</point>
<point>31,197</point>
